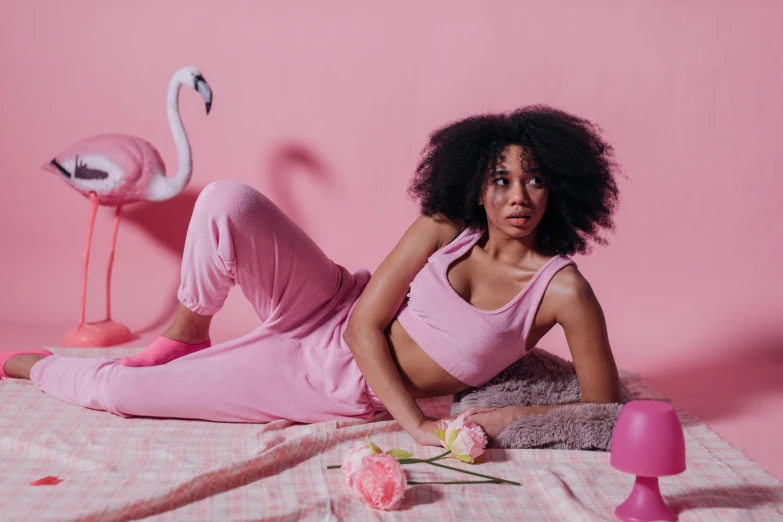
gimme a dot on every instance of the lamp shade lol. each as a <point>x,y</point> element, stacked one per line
<point>647,440</point>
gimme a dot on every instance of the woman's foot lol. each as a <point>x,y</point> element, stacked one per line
<point>187,334</point>
<point>163,350</point>
<point>17,365</point>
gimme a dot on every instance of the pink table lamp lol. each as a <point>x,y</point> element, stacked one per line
<point>647,442</point>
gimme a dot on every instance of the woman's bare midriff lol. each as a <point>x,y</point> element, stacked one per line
<point>422,376</point>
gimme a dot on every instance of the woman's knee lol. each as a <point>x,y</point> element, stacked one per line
<point>125,391</point>
<point>229,199</point>
<point>120,396</point>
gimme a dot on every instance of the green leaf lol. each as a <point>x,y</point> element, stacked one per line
<point>399,454</point>
<point>441,434</point>
<point>465,458</point>
<point>371,444</point>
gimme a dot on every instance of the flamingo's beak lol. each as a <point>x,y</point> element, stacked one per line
<point>203,89</point>
<point>55,168</point>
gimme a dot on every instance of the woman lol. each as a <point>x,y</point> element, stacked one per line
<point>472,285</point>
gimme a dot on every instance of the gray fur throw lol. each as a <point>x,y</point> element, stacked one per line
<point>538,379</point>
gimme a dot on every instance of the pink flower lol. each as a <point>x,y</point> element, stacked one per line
<point>353,460</point>
<point>380,481</point>
<point>465,439</point>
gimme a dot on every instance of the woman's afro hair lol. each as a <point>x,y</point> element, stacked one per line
<point>575,162</point>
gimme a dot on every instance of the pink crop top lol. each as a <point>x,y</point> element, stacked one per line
<point>471,344</point>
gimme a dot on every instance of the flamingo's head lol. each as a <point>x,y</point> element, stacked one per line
<point>192,77</point>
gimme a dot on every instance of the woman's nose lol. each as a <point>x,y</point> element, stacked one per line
<point>518,193</point>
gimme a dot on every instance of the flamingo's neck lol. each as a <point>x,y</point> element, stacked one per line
<point>168,187</point>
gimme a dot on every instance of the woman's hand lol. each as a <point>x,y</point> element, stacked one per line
<point>494,422</point>
<point>425,432</point>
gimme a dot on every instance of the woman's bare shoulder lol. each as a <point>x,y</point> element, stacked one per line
<point>570,289</point>
<point>568,281</point>
<point>447,229</point>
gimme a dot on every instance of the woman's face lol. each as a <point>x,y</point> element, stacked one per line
<point>515,188</point>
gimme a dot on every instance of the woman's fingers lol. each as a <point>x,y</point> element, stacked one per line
<point>470,411</point>
<point>493,422</point>
<point>477,409</point>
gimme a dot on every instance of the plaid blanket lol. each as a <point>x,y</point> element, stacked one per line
<point>111,468</point>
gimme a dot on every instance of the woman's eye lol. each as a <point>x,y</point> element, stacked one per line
<point>538,180</point>
<point>499,179</point>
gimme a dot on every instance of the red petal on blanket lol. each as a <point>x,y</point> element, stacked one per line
<point>46,481</point>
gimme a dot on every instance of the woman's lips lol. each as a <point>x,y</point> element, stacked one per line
<point>518,221</point>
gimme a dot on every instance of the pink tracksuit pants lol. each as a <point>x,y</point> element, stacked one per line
<point>296,365</point>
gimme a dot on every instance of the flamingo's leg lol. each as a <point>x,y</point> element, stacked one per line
<point>111,261</point>
<point>86,255</point>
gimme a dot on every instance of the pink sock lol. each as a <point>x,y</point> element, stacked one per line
<point>161,351</point>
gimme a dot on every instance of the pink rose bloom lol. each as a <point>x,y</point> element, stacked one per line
<point>380,481</point>
<point>353,460</point>
<point>465,439</point>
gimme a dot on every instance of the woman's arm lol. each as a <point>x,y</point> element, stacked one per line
<point>582,319</point>
<point>376,309</point>
<point>584,324</point>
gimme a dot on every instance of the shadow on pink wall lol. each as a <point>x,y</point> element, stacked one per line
<point>166,222</point>
<point>287,161</point>
<point>743,371</point>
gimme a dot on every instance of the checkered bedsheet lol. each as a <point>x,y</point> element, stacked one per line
<point>127,469</point>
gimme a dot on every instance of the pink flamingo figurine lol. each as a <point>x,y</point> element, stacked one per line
<point>114,170</point>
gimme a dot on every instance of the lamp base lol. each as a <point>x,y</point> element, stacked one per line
<point>97,335</point>
<point>645,503</point>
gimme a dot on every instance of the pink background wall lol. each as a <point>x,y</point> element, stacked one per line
<point>326,108</point>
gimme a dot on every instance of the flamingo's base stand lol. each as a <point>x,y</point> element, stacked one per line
<point>100,334</point>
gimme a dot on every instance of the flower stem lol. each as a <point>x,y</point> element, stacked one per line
<point>412,460</point>
<point>417,483</point>
<point>475,474</point>
<point>437,457</point>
